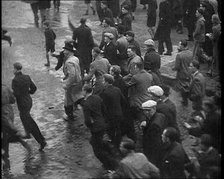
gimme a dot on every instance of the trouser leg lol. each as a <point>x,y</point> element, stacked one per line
<point>160,47</point>
<point>169,44</point>
<point>31,126</point>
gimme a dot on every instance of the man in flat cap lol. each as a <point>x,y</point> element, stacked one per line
<point>23,87</point>
<point>153,125</point>
<point>83,42</point>
<point>169,111</point>
<point>130,36</point>
<point>109,49</point>
<point>152,59</point>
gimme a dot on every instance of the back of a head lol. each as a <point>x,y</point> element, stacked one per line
<point>88,88</point>
<point>121,29</point>
<point>108,21</point>
<point>116,69</point>
<point>97,50</point>
<point>139,65</point>
<point>83,20</point>
<point>196,64</point>
<point>128,143</point>
<point>108,78</point>
<point>172,134</point>
<point>17,66</point>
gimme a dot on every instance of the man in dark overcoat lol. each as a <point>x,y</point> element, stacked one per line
<point>189,18</point>
<point>114,102</point>
<point>183,76</point>
<point>83,42</point>
<point>153,125</point>
<point>126,18</point>
<point>169,111</point>
<point>173,156</point>
<point>23,87</point>
<point>94,113</point>
<point>109,49</point>
<point>197,86</point>
<point>164,28</point>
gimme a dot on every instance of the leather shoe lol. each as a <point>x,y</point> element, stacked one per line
<point>42,146</point>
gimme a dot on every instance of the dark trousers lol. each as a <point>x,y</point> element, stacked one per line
<point>56,3</point>
<point>196,103</point>
<point>99,11</point>
<point>190,29</point>
<point>31,127</point>
<point>168,43</point>
<point>34,7</point>
<point>114,131</point>
<point>105,152</point>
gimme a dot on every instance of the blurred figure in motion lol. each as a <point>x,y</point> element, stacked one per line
<point>9,132</point>
<point>34,6</point>
<point>50,37</point>
<point>89,4</point>
<point>6,37</point>
<point>23,87</point>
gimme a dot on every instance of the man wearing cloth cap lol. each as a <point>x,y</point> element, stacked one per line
<point>169,112</point>
<point>72,82</point>
<point>153,125</point>
<point>130,36</point>
<point>109,49</point>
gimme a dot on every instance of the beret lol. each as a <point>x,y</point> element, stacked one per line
<point>156,90</point>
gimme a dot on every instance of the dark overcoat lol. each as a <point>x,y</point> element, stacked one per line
<point>152,60</point>
<point>151,13</point>
<point>164,27</point>
<point>93,109</point>
<point>83,42</point>
<point>173,160</point>
<point>152,142</point>
<point>110,53</point>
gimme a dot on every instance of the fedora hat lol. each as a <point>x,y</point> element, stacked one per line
<point>69,47</point>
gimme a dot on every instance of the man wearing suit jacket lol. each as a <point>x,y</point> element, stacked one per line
<point>83,42</point>
<point>110,49</point>
<point>114,101</point>
<point>197,86</point>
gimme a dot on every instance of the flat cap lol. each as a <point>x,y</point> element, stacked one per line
<point>149,42</point>
<point>149,104</point>
<point>156,90</point>
<point>109,35</point>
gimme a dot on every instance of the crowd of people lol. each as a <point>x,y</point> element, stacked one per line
<point>133,123</point>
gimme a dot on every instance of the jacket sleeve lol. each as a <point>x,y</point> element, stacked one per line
<point>87,114</point>
<point>33,87</point>
<point>177,63</point>
<point>196,88</point>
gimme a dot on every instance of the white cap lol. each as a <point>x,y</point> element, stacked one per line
<point>149,104</point>
<point>149,42</point>
<point>156,90</point>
